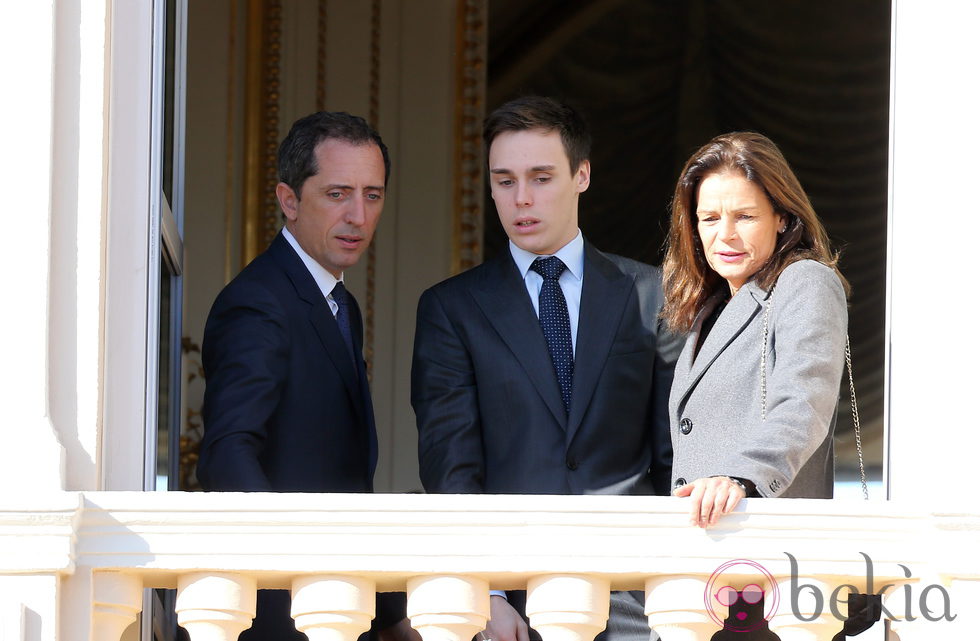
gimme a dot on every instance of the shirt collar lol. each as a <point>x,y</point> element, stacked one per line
<point>324,279</point>
<point>572,254</point>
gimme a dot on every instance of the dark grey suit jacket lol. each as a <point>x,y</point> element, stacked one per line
<point>487,402</point>
<point>716,401</point>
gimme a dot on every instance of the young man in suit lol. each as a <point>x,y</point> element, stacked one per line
<point>287,406</point>
<point>544,370</point>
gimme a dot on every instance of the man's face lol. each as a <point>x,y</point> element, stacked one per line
<point>335,217</point>
<point>535,193</point>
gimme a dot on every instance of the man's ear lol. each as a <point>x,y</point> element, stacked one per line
<point>583,176</point>
<point>288,201</point>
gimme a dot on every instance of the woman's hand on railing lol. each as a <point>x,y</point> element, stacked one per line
<point>711,498</point>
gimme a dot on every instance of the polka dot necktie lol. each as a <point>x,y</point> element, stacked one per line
<point>553,316</point>
<point>339,295</point>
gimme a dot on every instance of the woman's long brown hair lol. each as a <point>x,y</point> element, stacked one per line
<point>688,279</point>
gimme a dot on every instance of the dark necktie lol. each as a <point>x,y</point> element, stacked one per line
<point>343,300</point>
<point>339,295</point>
<point>553,316</point>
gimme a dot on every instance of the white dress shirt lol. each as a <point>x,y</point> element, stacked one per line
<point>573,255</point>
<point>324,279</point>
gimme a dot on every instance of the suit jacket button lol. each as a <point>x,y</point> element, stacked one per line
<point>686,426</point>
<point>571,463</point>
<point>680,482</point>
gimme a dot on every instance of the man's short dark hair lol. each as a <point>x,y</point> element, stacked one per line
<point>544,114</point>
<point>297,157</point>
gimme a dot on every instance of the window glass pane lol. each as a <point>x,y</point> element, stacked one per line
<point>168,102</point>
<point>164,417</point>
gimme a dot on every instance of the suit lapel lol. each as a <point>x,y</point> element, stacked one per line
<point>322,319</point>
<point>685,361</point>
<point>734,319</point>
<point>503,298</point>
<point>605,291</point>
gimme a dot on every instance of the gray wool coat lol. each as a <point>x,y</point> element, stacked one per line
<point>716,422</point>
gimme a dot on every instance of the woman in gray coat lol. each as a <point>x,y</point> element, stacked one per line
<point>750,275</point>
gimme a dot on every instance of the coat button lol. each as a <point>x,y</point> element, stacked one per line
<point>571,463</point>
<point>680,482</point>
<point>686,426</point>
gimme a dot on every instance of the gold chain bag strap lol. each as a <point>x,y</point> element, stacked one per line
<point>850,380</point>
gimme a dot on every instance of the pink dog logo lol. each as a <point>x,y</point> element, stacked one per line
<point>741,610</point>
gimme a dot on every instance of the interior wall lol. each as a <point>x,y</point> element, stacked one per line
<point>389,61</point>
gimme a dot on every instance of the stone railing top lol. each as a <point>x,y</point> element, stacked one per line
<point>508,539</point>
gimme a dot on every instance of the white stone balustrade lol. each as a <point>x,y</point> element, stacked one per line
<point>117,598</point>
<point>74,565</point>
<point>215,606</point>
<point>675,608</point>
<point>812,618</point>
<point>332,608</point>
<point>448,608</point>
<point>568,607</point>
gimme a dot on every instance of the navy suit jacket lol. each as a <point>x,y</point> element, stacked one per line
<point>284,407</point>
<point>486,398</point>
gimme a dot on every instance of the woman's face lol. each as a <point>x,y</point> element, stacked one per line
<point>737,225</point>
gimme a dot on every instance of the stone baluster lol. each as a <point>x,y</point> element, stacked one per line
<point>963,596</point>
<point>215,606</point>
<point>568,607</point>
<point>117,598</point>
<point>675,608</point>
<point>895,603</point>
<point>333,608</point>
<point>906,622</point>
<point>814,620</point>
<point>448,608</point>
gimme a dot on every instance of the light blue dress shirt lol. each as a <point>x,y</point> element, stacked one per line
<point>573,255</point>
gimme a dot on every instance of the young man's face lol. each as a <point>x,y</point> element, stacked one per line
<point>535,193</point>
<point>334,219</point>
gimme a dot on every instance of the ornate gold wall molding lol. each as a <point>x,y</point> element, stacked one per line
<point>231,90</point>
<point>374,108</point>
<point>471,75</point>
<point>263,31</point>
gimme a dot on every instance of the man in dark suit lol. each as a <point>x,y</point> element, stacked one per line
<point>544,370</point>
<point>287,406</point>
